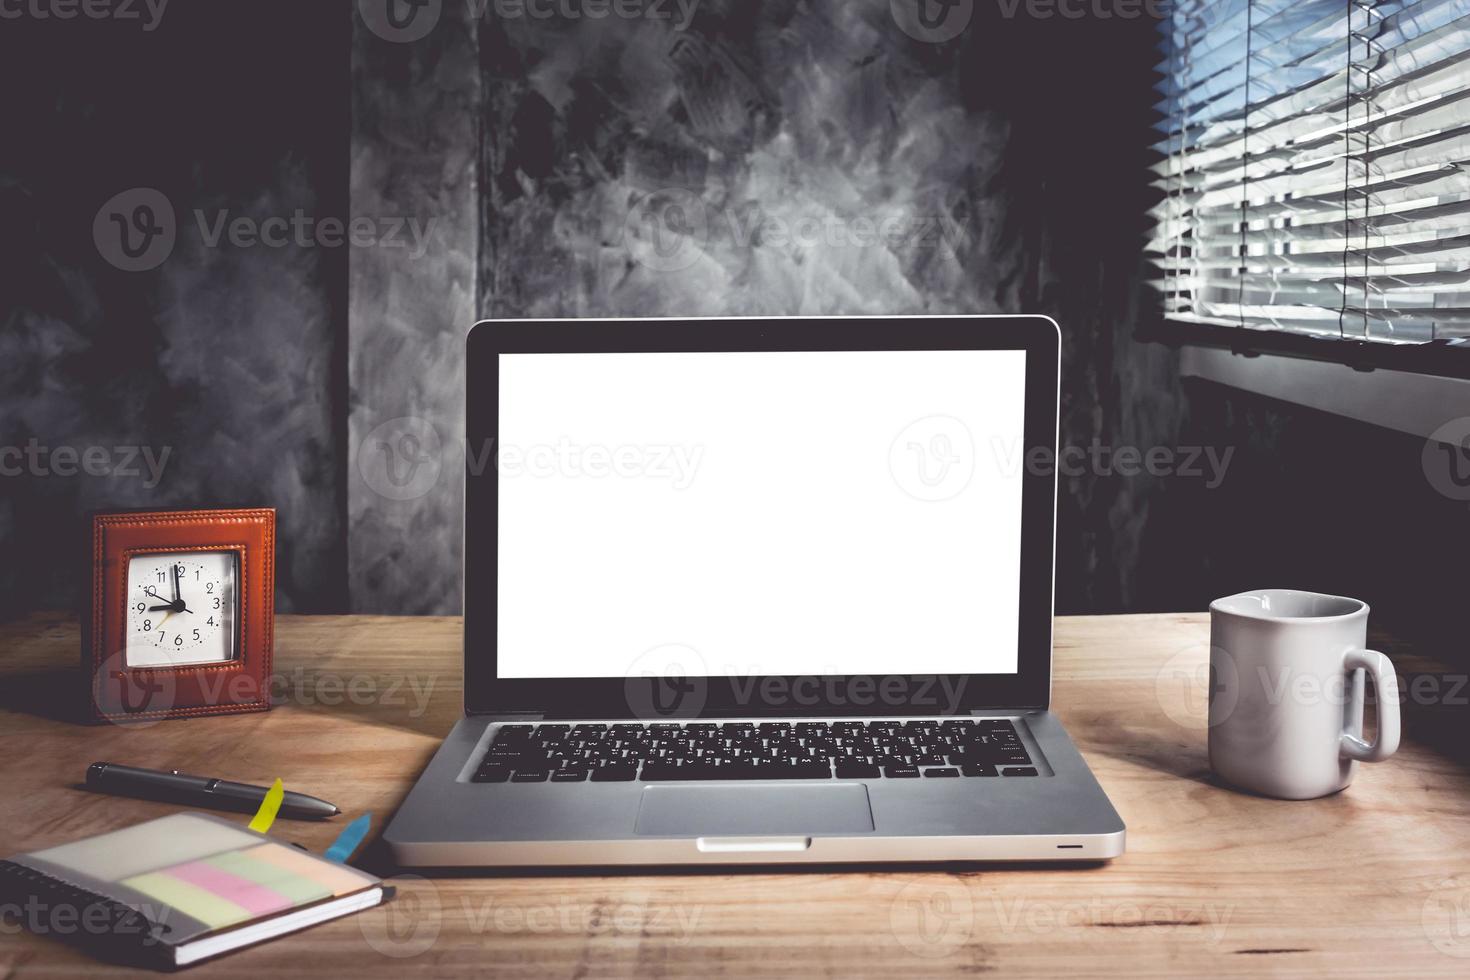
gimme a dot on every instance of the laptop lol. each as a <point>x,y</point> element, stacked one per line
<point>758,591</point>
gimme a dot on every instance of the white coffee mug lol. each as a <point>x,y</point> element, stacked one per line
<point>1286,692</point>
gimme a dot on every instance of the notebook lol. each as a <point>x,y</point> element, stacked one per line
<point>180,889</point>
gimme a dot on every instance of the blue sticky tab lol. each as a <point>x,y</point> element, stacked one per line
<point>348,840</point>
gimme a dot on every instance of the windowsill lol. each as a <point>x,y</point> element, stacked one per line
<point>1405,401</point>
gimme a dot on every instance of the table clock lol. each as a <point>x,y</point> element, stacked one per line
<point>183,614</point>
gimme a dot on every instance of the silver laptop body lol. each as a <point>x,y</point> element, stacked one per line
<point>758,591</point>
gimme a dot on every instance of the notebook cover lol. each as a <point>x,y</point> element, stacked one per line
<point>137,893</point>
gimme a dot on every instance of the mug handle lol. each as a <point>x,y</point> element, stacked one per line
<point>1386,682</point>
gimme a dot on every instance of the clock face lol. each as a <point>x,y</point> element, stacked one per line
<point>182,608</point>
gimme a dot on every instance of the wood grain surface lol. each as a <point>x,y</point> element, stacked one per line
<point>1372,882</point>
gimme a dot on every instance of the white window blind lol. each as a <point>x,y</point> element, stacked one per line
<point>1314,167</point>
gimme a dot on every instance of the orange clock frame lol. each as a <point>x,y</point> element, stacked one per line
<point>119,693</point>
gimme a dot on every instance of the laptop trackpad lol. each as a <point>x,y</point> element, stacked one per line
<point>750,809</point>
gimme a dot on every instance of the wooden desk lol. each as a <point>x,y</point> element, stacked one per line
<point>1375,881</point>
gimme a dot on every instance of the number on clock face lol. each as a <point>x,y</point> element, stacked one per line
<point>182,608</point>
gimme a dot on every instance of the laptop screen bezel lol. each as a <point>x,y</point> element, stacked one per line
<point>609,697</point>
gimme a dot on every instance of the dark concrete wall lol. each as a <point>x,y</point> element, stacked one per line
<point>557,160</point>
<point>1314,501</point>
<point>227,358</point>
<point>550,157</point>
<point>415,154</point>
<point>634,168</point>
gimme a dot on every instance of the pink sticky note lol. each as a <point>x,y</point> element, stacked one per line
<point>257,899</point>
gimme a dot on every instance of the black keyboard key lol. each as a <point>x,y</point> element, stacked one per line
<point>989,756</point>
<point>744,750</point>
<point>666,772</point>
<point>941,773</point>
<point>531,776</point>
<point>1025,771</point>
<point>801,770</point>
<point>512,749</point>
<point>669,772</point>
<point>491,774</point>
<point>615,774</point>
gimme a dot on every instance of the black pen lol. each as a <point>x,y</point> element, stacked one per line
<point>186,790</point>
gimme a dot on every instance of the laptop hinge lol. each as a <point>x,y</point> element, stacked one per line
<point>1014,711</point>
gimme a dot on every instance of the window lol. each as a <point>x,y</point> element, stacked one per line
<point>1314,172</point>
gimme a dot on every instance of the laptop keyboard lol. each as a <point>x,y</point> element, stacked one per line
<point>563,753</point>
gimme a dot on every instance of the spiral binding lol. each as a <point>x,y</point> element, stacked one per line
<point>127,929</point>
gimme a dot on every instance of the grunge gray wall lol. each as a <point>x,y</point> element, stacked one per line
<point>559,164</point>
<point>776,158</point>
<point>229,359</point>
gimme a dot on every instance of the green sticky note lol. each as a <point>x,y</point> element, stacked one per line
<point>298,889</point>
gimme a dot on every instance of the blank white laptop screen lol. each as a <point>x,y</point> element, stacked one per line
<point>744,514</point>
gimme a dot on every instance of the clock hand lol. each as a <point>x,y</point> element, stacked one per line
<point>176,606</point>
<point>176,583</point>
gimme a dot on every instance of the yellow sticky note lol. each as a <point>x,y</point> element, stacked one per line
<point>269,807</point>
<point>213,910</point>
